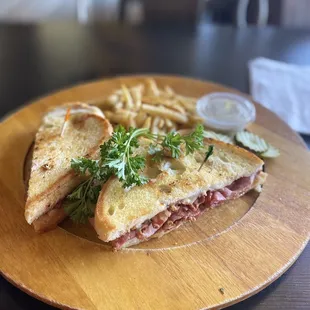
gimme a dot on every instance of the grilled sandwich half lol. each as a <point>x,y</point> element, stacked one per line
<point>178,192</point>
<point>69,131</point>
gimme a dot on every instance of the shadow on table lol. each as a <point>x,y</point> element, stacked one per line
<point>306,138</point>
<point>14,299</point>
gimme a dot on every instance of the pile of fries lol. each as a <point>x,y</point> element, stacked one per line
<point>146,105</point>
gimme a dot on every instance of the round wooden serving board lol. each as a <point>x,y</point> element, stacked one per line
<point>229,254</point>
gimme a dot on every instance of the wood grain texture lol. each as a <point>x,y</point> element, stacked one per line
<point>240,251</point>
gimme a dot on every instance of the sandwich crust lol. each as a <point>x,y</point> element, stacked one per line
<point>51,177</point>
<point>173,180</point>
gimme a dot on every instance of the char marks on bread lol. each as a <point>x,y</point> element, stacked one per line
<point>51,176</point>
<point>174,182</point>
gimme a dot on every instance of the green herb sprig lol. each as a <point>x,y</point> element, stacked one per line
<point>208,154</point>
<point>117,159</point>
<point>171,143</point>
<point>80,205</point>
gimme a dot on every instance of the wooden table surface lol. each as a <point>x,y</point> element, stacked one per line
<point>35,60</point>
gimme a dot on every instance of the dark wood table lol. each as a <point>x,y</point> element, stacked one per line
<point>39,59</point>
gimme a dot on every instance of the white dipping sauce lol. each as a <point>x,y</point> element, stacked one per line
<point>225,111</point>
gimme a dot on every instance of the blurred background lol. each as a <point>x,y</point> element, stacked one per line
<point>288,13</point>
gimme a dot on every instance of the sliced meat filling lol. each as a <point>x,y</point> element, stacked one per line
<point>51,219</point>
<point>176,214</point>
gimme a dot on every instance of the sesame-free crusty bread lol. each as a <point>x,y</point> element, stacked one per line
<point>51,177</point>
<point>119,210</point>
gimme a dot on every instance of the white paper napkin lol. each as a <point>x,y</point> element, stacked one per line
<point>284,89</point>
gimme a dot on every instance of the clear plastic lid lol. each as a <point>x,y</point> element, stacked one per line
<point>226,111</point>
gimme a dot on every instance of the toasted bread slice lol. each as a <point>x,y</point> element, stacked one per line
<point>119,211</point>
<point>51,177</point>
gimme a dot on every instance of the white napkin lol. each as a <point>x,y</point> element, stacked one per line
<point>284,89</point>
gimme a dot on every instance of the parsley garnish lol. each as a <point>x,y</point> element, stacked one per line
<point>208,154</point>
<point>117,158</point>
<point>171,143</point>
<point>194,141</point>
<point>80,205</point>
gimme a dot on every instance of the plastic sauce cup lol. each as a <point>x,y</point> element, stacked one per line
<point>226,112</point>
